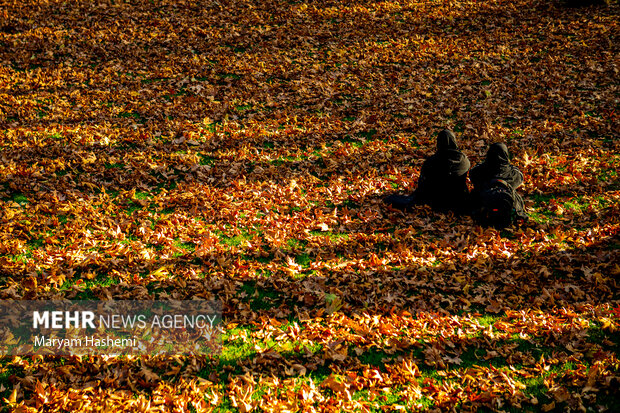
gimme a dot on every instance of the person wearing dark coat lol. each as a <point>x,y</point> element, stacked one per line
<point>497,166</point>
<point>442,182</point>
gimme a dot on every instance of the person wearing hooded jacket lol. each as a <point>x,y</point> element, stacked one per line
<point>442,182</point>
<point>497,166</point>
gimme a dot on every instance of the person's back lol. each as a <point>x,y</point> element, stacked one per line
<point>495,181</point>
<point>442,182</point>
<point>496,166</point>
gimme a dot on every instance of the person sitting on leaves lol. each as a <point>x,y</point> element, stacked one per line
<point>495,201</point>
<point>442,182</point>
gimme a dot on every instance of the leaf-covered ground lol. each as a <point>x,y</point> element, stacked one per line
<point>239,151</point>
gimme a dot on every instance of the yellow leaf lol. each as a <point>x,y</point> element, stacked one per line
<point>323,226</point>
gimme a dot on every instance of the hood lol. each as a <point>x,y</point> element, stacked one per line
<point>453,162</point>
<point>446,141</point>
<point>497,155</point>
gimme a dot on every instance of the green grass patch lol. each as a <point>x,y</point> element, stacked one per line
<point>5,374</point>
<point>367,134</point>
<point>304,260</point>
<point>334,236</point>
<point>487,320</point>
<point>383,402</point>
<point>235,240</point>
<point>24,257</point>
<point>134,115</point>
<point>535,387</point>
<point>541,218</point>
<point>542,199</point>
<point>260,298</point>
<point>378,358</point>
<point>36,243</point>
<point>20,198</point>
<point>574,205</point>
<point>153,80</point>
<point>87,293</point>
<point>294,244</point>
<point>142,195</point>
<point>188,247</point>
